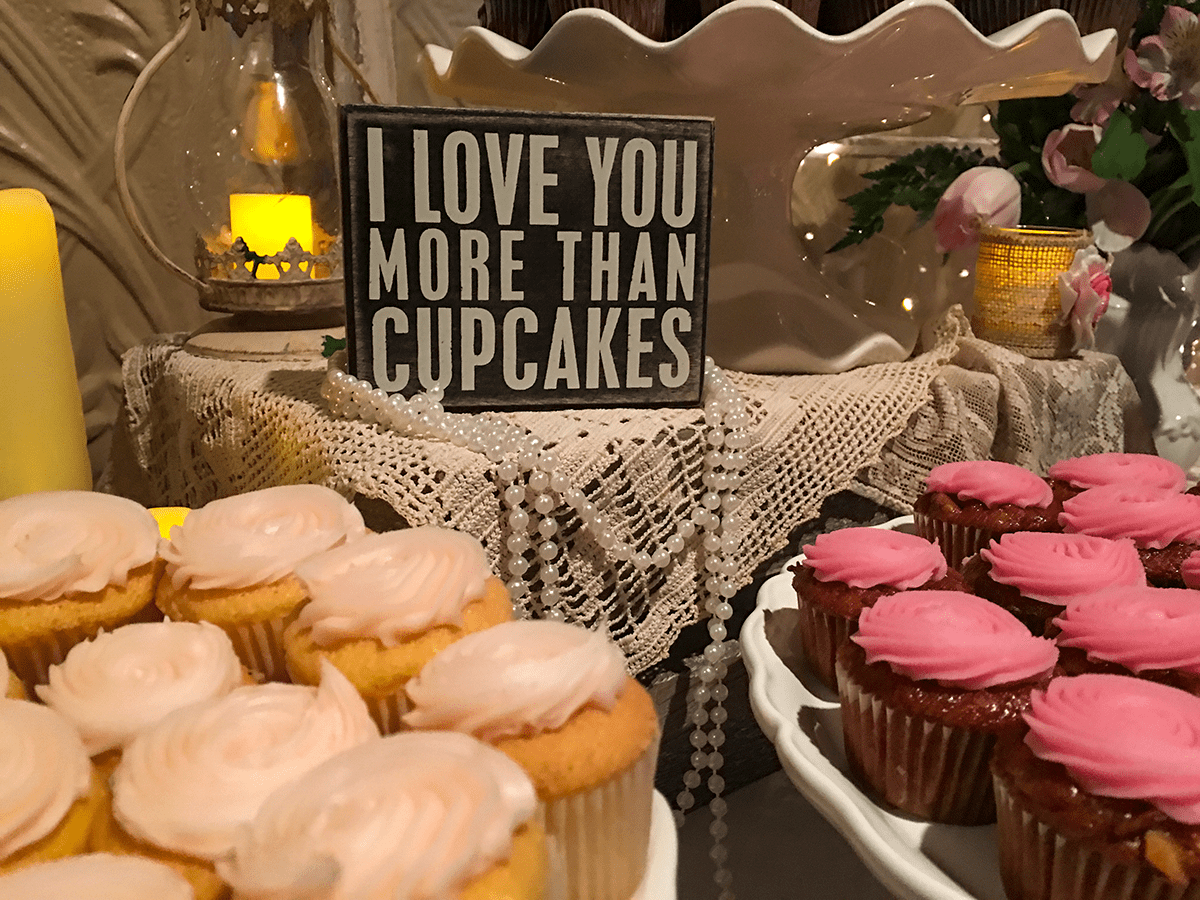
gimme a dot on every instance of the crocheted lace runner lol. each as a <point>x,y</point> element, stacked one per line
<point>196,429</point>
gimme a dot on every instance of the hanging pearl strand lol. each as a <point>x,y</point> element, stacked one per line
<point>527,469</point>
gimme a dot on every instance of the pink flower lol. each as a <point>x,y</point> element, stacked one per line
<point>1067,157</point>
<point>983,195</point>
<point>1118,215</point>
<point>1168,63</point>
<point>1084,290</point>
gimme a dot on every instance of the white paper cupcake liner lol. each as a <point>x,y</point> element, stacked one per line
<point>929,770</point>
<point>821,633</point>
<point>957,542</point>
<point>1037,862</point>
<point>603,834</point>
<point>31,660</point>
<point>259,645</point>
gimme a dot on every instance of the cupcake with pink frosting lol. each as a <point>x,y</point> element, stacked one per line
<point>1149,632</point>
<point>1165,525</point>
<point>1100,797</point>
<point>96,876</point>
<point>187,785</point>
<point>233,561</point>
<point>1189,570</point>
<point>49,793</point>
<point>414,816</point>
<point>927,684</point>
<point>846,570</point>
<point>71,563</point>
<point>558,699</point>
<point>1033,574</point>
<point>379,609</point>
<point>1079,473</point>
<point>966,504</point>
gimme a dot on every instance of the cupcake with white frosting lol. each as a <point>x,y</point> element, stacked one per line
<point>186,785</point>
<point>15,688</point>
<point>71,563</point>
<point>232,562</point>
<point>414,816</point>
<point>559,700</point>
<point>119,683</point>
<point>380,608</point>
<point>96,876</point>
<point>49,794</point>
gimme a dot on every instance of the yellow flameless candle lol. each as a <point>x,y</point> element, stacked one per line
<point>168,517</point>
<point>43,443</point>
<point>266,221</point>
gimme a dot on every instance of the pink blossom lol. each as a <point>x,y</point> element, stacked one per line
<point>1084,290</point>
<point>1067,157</point>
<point>1118,215</point>
<point>1167,64</point>
<point>983,195</point>
<point>1097,102</point>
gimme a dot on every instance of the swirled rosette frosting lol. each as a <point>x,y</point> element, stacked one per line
<point>1153,517</point>
<point>954,638</point>
<point>43,771</point>
<point>1055,567</point>
<point>413,816</point>
<point>874,557</point>
<point>1122,737</point>
<point>187,783</point>
<point>990,482</point>
<point>258,537</point>
<point>117,684</point>
<point>62,542</point>
<point>1189,570</point>
<point>516,678</point>
<point>1120,468</point>
<point>1139,628</point>
<point>96,876</point>
<point>391,586</point>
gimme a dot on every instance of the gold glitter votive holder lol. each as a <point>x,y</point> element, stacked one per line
<point>1017,302</point>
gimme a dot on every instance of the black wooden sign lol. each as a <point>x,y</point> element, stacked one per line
<point>527,260</point>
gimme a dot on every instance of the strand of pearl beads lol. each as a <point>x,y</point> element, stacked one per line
<point>525,466</point>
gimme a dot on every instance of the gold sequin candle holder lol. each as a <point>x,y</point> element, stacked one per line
<point>1017,303</point>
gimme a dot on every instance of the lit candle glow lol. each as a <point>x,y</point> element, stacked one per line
<point>43,442</point>
<point>266,221</point>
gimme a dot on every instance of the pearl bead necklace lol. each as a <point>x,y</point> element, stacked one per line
<point>533,488</point>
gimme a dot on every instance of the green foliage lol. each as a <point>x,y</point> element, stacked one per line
<point>1122,151</point>
<point>331,345</point>
<point>916,181</point>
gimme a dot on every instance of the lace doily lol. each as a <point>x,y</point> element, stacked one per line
<point>195,429</point>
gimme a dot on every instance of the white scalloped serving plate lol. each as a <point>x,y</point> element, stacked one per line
<point>914,860</point>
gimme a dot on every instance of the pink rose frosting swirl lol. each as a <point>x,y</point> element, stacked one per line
<point>190,781</point>
<point>412,816</point>
<point>874,557</point>
<point>1122,737</point>
<point>115,685</point>
<point>1153,517</point>
<point>1138,628</point>
<point>258,537</point>
<point>954,638</point>
<point>516,678</point>
<point>990,482</point>
<point>61,542</point>
<point>43,771</point>
<point>1055,567</point>
<point>1190,570</point>
<point>391,586</point>
<point>96,876</point>
<point>1120,468</point>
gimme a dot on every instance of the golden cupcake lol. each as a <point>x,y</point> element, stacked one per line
<point>414,816</point>
<point>558,699</point>
<point>49,793</point>
<point>232,563</point>
<point>381,608</point>
<point>185,786</point>
<point>71,563</point>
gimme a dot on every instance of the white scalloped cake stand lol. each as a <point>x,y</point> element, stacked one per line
<point>776,88</point>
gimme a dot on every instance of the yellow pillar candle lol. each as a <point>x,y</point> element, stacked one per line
<point>43,443</point>
<point>266,221</point>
